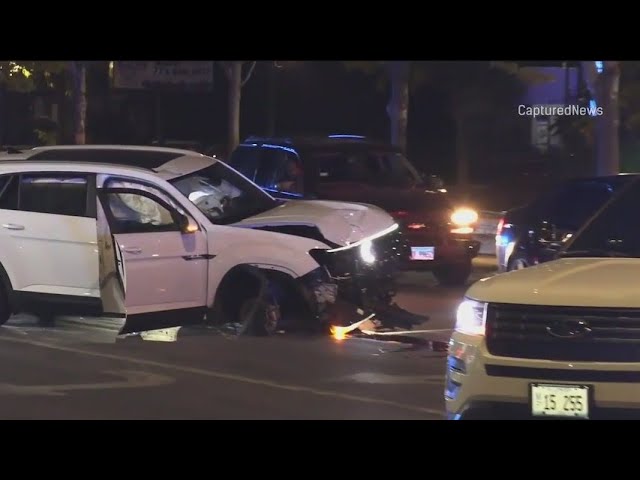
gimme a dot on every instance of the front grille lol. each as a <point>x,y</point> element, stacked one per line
<point>523,331</point>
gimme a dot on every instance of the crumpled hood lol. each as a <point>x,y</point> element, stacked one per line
<point>585,282</point>
<point>339,222</point>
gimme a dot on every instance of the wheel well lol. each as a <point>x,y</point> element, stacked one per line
<point>5,281</point>
<point>245,281</point>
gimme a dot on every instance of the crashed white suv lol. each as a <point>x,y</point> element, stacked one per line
<point>558,340</point>
<point>84,232</point>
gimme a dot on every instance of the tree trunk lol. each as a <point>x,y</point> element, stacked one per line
<point>604,88</point>
<point>79,80</point>
<point>272,99</point>
<point>3,113</point>
<point>235,95</point>
<point>607,124</point>
<point>398,107</point>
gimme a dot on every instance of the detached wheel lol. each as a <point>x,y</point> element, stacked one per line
<point>453,275</point>
<point>259,317</point>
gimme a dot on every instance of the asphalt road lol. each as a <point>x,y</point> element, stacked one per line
<point>76,372</point>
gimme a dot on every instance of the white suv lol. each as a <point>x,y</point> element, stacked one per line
<point>558,340</point>
<point>191,235</point>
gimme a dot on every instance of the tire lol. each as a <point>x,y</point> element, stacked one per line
<point>5,308</point>
<point>519,262</point>
<point>453,275</point>
<point>260,317</point>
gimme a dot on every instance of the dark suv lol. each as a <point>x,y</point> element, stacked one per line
<point>354,169</point>
<point>536,232</point>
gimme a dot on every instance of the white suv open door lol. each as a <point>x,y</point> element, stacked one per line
<point>112,275</point>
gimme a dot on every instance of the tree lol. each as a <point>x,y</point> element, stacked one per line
<point>236,79</point>
<point>78,72</point>
<point>475,90</point>
<point>603,81</point>
<point>28,76</point>
<point>400,77</point>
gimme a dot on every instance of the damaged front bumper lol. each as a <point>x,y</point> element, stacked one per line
<point>341,303</point>
<point>346,290</point>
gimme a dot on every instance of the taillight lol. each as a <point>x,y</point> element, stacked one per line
<point>400,214</point>
<point>500,226</point>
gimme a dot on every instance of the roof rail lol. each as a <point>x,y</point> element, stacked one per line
<point>350,137</point>
<point>259,138</point>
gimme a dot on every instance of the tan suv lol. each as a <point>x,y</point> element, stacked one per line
<point>558,340</point>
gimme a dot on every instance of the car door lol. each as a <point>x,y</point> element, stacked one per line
<point>165,266</point>
<point>48,229</point>
<point>48,238</point>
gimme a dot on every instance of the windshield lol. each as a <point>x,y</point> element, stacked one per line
<point>615,230</point>
<point>372,167</point>
<point>222,194</point>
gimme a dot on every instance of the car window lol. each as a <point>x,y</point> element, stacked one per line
<point>138,213</point>
<point>245,159</point>
<point>280,170</point>
<point>370,166</point>
<point>54,194</point>
<point>121,182</point>
<point>613,228</point>
<point>572,205</point>
<point>9,192</point>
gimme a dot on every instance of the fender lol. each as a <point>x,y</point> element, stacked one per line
<point>266,250</point>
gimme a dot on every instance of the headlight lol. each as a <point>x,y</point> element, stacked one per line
<point>471,317</point>
<point>366,252</point>
<point>464,216</point>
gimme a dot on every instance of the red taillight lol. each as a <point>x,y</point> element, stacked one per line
<point>400,213</point>
<point>500,226</point>
<point>416,226</point>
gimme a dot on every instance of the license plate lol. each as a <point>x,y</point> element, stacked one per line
<point>550,400</point>
<point>423,253</point>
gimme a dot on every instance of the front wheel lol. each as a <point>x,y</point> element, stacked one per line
<point>519,262</point>
<point>260,317</point>
<point>453,275</point>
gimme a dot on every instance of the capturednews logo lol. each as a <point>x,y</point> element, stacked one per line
<point>559,110</point>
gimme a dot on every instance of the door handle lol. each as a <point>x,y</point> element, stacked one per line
<point>12,226</point>
<point>133,250</point>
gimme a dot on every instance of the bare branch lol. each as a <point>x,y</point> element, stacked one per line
<point>249,72</point>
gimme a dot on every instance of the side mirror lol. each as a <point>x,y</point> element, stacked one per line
<point>188,225</point>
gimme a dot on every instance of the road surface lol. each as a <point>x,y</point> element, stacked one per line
<point>74,372</point>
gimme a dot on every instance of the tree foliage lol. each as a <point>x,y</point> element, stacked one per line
<point>26,76</point>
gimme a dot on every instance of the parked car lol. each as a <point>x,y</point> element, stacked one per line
<point>355,169</point>
<point>558,340</point>
<point>534,233</point>
<point>188,234</point>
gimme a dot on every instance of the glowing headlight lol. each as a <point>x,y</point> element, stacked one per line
<point>464,216</point>
<point>471,317</point>
<point>366,252</point>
